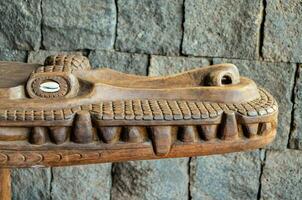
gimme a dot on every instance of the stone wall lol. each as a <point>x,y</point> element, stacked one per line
<point>159,37</point>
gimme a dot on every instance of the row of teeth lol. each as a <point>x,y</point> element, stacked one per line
<point>162,137</point>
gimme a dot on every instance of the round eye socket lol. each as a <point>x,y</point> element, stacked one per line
<point>50,86</point>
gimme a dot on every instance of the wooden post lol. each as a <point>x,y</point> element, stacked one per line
<point>5,184</point>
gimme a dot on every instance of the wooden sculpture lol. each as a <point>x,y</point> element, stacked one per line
<point>65,113</point>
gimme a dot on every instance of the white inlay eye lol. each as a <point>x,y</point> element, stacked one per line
<point>50,87</point>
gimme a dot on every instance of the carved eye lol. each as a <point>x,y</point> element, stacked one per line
<point>50,87</point>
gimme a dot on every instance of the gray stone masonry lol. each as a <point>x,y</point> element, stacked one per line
<point>283,31</point>
<point>222,28</point>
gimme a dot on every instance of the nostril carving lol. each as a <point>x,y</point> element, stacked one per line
<point>226,80</point>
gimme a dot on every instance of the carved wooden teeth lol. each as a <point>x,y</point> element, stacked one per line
<point>39,135</point>
<point>162,138</point>
<point>229,126</point>
<point>188,134</point>
<point>58,134</point>
<point>265,128</point>
<point>135,134</point>
<point>209,131</point>
<point>251,130</point>
<point>110,134</point>
<point>83,131</point>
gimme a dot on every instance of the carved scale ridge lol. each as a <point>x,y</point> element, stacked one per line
<point>65,113</point>
<point>136,109</point>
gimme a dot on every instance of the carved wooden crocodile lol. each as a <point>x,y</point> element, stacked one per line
<point>65,113</point>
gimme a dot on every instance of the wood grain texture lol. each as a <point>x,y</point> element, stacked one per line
<point>5,184</point>
<point>97,116</point>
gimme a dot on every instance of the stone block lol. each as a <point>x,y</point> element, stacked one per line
<point>229,176</point>
<point>282,175</point>
<point>13,55</point>
<point>81,182</point>
<point>147,26</point>
<point>20,24</point>
<point>283,31</point>
<point>124,62</point>
<point>222,28</point>
<point>72,25</point>
<point>163,65</point>
<point>158,179</point>
<point>33,184</point>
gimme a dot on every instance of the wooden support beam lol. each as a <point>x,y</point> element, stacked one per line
<point>5,184</point>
